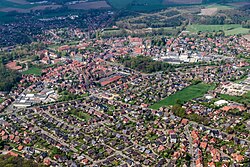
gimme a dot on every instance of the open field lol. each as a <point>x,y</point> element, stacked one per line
<point>219,7</point>
<point>23,6</point>
<point>33,70</point>
<point>239,30</point>
<point>8,4</point>
<point>184,95</point>
<point>229,29</point>
<point>27,10</point>
<point>240,99</point>
<point>187,2</point>
<point>119,4</point>
<point>23,2</point>
<point>90,5</point>
<point>209,11</point>
<point>239,4</point>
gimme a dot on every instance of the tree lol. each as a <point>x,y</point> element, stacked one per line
<point>8,78</point>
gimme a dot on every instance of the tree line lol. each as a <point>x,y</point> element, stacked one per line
<point>8,77</point>
<point>145,64</point>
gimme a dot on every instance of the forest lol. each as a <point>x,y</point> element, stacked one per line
<point>145,64</point>
<point>10,161</point>
<point>8,78</point>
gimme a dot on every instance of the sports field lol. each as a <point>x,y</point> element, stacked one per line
<point>184,95</point>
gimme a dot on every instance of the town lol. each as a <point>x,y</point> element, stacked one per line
<point>109,87</point>
<point>87,108</point>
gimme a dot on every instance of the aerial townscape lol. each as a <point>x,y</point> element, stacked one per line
<point>126,83</point>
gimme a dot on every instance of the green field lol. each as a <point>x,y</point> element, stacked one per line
<point>219,7</point>
<point>8,4</point>
<point>33,70</point>
<point>82,116</point>
<point>229,29</point>
<point>119,4</point>
<point>138,5</point>
<point>245,99</point>
<point>184,95</point>
<point>239,30</point>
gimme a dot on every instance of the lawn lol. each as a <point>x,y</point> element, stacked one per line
<point>33,70</point>
<point>82,116</point>
<point>240,99</point>
<point>184,95</point>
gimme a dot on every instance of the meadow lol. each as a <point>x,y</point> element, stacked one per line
<point>119,4</point>
<point>9,4</point>
<point>184,95</point>
<point>229,29</point>
<point>219,6</point>
<point>138,5</point>
<point>238,30</point>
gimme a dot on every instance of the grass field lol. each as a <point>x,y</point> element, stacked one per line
<point>184,95</point>
<point>240,99</point>
<point>119,4</point>
<point>138,5</point>
<point>239,30</point>
<point>1,100</point>
<point>8,4</point>
<point>229,29</point>
<point>82,116</point>
<point>33,70</point>
<point>219,7</point>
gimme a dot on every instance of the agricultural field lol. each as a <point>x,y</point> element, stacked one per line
<point>184,95</point>
<point>119,4</point>
<point>212,9</point>
<point>23,6</point>
<point>239,30</point>
<point>90,5</point>
<point>209,11</point>
<point>15,4</point>
<point>219,6</point>
<point>33,70</point>
<point>229,29</point>
<point>186,2</point>
<point>138,5</point>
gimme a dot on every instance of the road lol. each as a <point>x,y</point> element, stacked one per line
<point>190,140</point>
